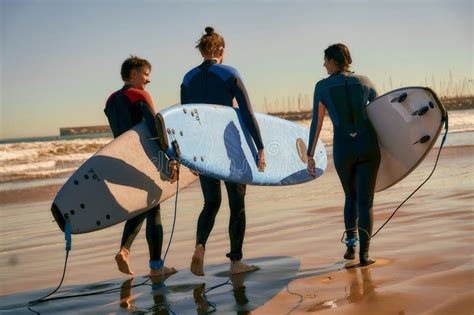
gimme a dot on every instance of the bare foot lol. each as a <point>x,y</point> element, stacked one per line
<point>197,262</point>
<point>122,261</point>
<point>166,271</point>
<point>238,266</point>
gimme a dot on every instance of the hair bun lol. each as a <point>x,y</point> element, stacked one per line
<point>209,30</point>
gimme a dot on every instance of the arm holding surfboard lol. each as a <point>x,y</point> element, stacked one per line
<point>316,124</point>
<point>250,121</point>
<point>149,114</point>
<point>225,85</point>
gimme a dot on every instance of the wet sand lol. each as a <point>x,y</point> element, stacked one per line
<point>424,255</point>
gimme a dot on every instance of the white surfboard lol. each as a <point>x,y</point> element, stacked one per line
<point>123,179</point>
<point>214,141</point>
<point>407,122</point>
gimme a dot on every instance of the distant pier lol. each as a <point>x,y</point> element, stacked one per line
<point>73,131</point>
<point>451,103</point>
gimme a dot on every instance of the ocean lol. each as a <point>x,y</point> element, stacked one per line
<point>33,162</point>
<point>29,162</point>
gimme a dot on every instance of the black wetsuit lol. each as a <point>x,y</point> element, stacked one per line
<point>355,147</point>
<point>213,83</point>
<point>124,109</point>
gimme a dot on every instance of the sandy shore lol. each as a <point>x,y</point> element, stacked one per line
<point>424,256</point>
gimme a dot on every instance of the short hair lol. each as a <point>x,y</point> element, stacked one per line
<point>133,62</point>
<point>210,42</point>
<point>340,54</point>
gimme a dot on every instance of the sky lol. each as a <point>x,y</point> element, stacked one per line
<point>60,60</point>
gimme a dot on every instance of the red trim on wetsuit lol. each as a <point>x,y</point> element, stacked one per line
<point>136,95</point>
<point>127,107</point>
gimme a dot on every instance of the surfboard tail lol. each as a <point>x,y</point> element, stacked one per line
<point>58,217</point>
<point>444,112</point>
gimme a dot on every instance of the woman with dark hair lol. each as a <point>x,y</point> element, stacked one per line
<point>355,147</point>
<point>214,83</point>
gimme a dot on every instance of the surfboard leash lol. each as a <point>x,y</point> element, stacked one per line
<point>174,222</point>
<point>68,239</point>
<point>446,128</point>
<point>301,299</point>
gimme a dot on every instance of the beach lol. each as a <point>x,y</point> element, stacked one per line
<point>425,255</point>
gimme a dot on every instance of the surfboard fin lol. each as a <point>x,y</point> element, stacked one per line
<point>423,139</point>
<point>421,111</point>
<point>161,130</point>
<point>58,216</point>
<point>400,98</point>
<point>177,151</point>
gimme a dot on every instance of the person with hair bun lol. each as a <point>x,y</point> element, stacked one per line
<point>356,151</point>
<point>214,83</point>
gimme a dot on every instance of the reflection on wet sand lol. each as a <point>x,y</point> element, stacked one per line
<point>359,288</point>
<point>173,294</point>
<point>361,285</point>
<point>204,306</point>
<point>160,291</point>
<point>127,300</point>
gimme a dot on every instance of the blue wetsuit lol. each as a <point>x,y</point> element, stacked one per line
<point>213,83</point>
<point>355,147</point>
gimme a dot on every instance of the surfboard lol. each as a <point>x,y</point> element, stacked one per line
<point>408,122</point>
<point>123,179</point>
<point>213,140</point>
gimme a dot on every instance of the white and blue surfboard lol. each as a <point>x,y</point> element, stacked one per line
<point>214,141</point>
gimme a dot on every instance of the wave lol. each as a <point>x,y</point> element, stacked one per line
<point>46,159</point>
<point>47,174</point>
<point>25,154</point>
<point>17,168</point>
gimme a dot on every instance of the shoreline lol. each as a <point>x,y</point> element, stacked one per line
<point>423,261</point>
<point>301,117</point>
<point>47,191</point>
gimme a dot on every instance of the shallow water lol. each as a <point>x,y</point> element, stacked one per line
<point>181,293</point>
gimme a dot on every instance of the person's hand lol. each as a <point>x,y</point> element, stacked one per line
<point>261,160</point>
<point>311,166</point>
<point>173,167</point>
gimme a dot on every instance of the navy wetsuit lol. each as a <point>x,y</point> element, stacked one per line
<point>213,83</point>
<point>355,147</point>
<point>124,109</point>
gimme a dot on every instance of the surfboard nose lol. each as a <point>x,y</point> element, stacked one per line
<point>58,217</point>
